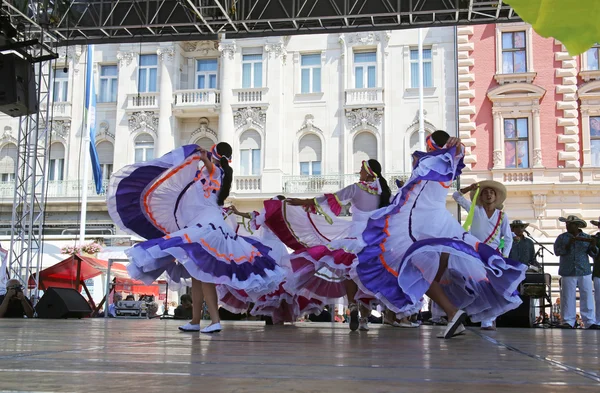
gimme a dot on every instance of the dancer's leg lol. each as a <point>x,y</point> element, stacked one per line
<point>197,302</point>
<point>351,291</point>
<point>210,294</point>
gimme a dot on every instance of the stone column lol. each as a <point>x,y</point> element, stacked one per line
<point>226,82</point>
<point>498,141</point>
<point>537,140</point>
<point>166,138</point>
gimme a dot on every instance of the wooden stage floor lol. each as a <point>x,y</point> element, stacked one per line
<point>97,355</point>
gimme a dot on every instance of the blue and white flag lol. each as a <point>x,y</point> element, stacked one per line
<point>90,118</point>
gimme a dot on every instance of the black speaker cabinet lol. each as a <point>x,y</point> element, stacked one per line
<point>522,316</point>
<point>60,303</point>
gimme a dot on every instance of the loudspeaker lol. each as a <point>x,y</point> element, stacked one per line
<point>62,303</point>
<point>17,90</point>
<point>522,316</point>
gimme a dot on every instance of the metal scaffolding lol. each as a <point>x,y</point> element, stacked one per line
<point>34,43</point>
<point>103,21</point>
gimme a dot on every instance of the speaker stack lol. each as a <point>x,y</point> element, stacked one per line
<point>59,303</point>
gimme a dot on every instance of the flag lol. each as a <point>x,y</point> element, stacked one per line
<point>90,118</point>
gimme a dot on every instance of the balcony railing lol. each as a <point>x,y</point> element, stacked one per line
<point>247,184</point>
<point>142,101</point>
<point>362,97</point>
<point>60,110</point>
<point>252,96</point>
<point>56,189</point>
<point>195,98</point>
<point>331,183</point>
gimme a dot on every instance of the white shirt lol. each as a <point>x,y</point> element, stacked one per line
<point>483,226</point>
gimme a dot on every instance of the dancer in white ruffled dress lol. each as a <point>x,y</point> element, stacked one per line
<point>176,202</point>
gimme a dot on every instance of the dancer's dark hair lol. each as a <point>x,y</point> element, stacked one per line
<point>225,151</point>
<point>386,193</point>
<point>440,137</point>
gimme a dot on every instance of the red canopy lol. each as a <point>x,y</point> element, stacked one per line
<point>64,274</point>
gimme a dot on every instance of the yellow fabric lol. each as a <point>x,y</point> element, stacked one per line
<point>575,23</point>
<point>469,221</point>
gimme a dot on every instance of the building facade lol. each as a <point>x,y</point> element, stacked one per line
<point>529,115</point>
<point>300,112</point>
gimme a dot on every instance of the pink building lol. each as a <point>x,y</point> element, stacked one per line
<point>530,116</point>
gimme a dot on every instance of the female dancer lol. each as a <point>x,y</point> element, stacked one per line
<point>178,207</point>
<point>370,193</point>
<point>436,256</point>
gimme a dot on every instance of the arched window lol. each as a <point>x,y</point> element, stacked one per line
<point>106,156</point>
<point>414,140</point>
<point>205,143</point>
<point>365,148</point>
<point>310,150</point>
<point>144,148</point>
<point>8,162</point>
<point>250,155</point>
<point>56,165</point>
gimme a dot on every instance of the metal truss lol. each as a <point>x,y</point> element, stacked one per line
<point>102,21</point>
<point>30,177</point>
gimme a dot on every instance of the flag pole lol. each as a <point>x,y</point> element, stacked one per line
<point>86,142</point>
<point>421,116</point>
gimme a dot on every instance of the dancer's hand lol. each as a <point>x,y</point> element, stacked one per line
<point>470,188</point>
<point>203,153</point>
<point>452,141</point>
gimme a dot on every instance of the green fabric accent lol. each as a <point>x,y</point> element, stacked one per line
<point>575,23</point>
<point>469,220</point>
<point>322,212</point>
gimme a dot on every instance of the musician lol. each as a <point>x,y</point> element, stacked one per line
<point>522,248</point>
<point>575,248</point>
<point>596,272</point>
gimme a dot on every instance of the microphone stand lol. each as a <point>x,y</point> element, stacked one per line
<point>548,296</point>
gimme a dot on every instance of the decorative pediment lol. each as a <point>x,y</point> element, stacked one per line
<point>308,125</point>
<point>8,135</point>
<point>60,129</point>
<point>145,120</point>
<point>366,38</point>
<point>250,116</point>
<point>103,132</point>
<point>362,117</point>
<point>203,131</point>
<point>125,58</point>
<point>165,53</point>
<point>516,92</point>
<point>201,47</point>
<point>277,50</point>
<point>590,90</point>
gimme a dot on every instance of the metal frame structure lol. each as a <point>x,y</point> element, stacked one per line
<point>33,43</point>
<point>103,21</point>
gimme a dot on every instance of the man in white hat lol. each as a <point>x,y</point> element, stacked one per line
<point>596,271</point>
<point>575,248</point>
<point>490,224</point>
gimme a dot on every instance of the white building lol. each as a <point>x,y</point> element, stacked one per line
<point>301,113</point>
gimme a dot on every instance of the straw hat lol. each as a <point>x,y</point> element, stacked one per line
<point>596,223</point>
<point>519,223</point>
<point>574,219</point>
<point>498,187</point>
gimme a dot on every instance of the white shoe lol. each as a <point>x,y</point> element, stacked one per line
<point>363,325</point>
<point>188,327</point>
<point>214,328</point>
<point>453,325</point>
<point>460,331</point>
<point>408,325</point>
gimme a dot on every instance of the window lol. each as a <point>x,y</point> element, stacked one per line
<point>61,85</point>
<point>148,73</point>
<point>514,57</point>
<point>427,68</point>
<point>105,157</point>
<point>206,74</point>
<point>8,162</point>
<point>310,66</point>
<point>310,155</point>
<point>595,140</point>
<point>365,64</point>
<point>144,148</point>
<point>516,144</point>
<point>592,59</point>
<point>108,83</point>
<point>251,71</point>
<point>250,156</point>
<point>205,143</point>
<point>365,148</point>
<point>56,165</point>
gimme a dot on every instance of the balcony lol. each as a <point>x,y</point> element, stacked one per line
<point>251,97</point>
<point>142,102</point>
<point>195,102</point>
<point>360,98</point>
<point>247,184</point>
<point>60,110</point>
<point>57,190</point>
